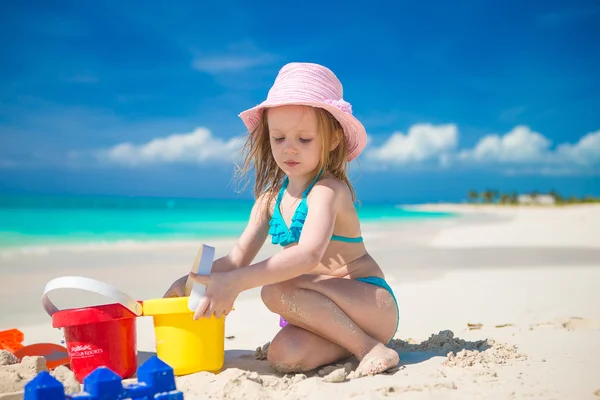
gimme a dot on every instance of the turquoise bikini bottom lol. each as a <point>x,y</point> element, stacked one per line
<point>377,281</point>
<point>373,280</point>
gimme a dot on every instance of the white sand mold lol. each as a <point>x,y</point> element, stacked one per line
<point>202,266</point>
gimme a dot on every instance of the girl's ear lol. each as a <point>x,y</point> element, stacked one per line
<point>335,142</point>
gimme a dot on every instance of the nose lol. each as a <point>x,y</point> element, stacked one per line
<point>289,147</point>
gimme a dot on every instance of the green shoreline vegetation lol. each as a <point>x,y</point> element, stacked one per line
<point>551,198</point>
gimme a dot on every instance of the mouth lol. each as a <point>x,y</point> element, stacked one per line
<point>291,163</point>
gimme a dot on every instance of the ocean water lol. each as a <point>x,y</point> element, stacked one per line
<point>47,220</point>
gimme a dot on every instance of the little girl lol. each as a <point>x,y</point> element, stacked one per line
<point>324,282</point>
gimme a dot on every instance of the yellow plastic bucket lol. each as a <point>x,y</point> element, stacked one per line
<point>188,346</point>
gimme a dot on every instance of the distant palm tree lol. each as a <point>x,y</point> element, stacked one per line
<point>514,198</point>
<point>495,194</point>
<point>473,196</point>
<point>557,197</point>
<point>505,198</point>
<point>487,195</point>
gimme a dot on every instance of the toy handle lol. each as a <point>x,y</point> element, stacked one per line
<point>89,285</point>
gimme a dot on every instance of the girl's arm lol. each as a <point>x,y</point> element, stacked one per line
<point>249,243</point>
<point>307,254</point>
<point>245,250</point>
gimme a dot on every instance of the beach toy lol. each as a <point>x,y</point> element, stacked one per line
<point>155,381</point>
<point>103,335</point>
<point>188,345</point>
<point>202,266</point>
<point>55,355</point>
<point>12,340</point>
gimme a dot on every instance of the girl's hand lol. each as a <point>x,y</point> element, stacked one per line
<point>221,292</point>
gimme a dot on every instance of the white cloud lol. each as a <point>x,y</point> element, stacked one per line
<point>542,170</point>
<point>520,145</point>
<point>228,63</point>
<point>237,57</point>
<point>424,142</point>
<point>196,147</point>
<point>521,151</point>
<point>585,152</point>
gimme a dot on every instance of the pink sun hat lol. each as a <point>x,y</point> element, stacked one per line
<point>312,85</point>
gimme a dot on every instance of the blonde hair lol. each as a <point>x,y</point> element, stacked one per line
<point>269,176</point>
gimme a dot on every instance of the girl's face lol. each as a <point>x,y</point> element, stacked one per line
<point>294,138</point>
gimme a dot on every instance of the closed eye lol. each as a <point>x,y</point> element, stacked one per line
<point>305,140</point>
<point>278,139</point>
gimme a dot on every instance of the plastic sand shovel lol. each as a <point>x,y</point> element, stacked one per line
<point>55,355</point>
<point>12,340</point>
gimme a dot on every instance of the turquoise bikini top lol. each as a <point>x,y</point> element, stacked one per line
<point>278,228</point>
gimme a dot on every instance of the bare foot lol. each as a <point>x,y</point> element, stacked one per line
<point>379,359</point>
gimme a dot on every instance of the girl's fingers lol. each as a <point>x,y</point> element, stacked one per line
<point>209,311</point>
<point>200,278</point>
<point>202,307</point>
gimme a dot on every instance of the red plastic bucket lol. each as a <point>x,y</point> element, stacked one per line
<point>98,336</point>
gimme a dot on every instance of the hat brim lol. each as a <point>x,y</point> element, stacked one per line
<point>354,131</point>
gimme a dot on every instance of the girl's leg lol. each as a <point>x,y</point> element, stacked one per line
<point>356,316</point>
<point>297,350</point>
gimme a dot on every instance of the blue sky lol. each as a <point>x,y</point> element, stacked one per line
<point>99,98</point>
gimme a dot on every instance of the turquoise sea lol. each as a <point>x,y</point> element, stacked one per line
<point>37,220</point>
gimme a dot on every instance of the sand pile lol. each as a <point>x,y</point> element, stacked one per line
<point>14,374</point>
<point>442,342</point>
<point>462,353</point>
<point>497,354</point>
<point>262,352</point>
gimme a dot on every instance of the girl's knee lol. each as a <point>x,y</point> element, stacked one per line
<point>286,356</point>
<point>274,295</point>
<point>270,295</point>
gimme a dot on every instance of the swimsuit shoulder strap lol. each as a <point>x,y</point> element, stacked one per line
<point>284,186</point>
<point>308,189</point>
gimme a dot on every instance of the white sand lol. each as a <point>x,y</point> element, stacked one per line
<point>523,226</point>
<point>518,288</point>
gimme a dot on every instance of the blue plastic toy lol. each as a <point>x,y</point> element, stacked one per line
<point>155,382</point>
